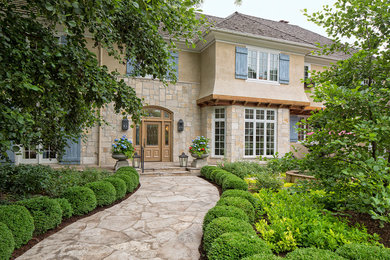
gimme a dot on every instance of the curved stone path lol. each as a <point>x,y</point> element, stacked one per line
<point>162,220</point>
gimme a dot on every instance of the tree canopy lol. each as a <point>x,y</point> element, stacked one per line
<point>50,92</point>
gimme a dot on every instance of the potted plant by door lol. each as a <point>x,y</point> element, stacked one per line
<point>122,149</point>
<point>199,150</point>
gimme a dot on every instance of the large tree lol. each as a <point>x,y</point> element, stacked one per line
<point>50,92</point>
<point>350,138</point>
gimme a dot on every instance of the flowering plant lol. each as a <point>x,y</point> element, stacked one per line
<point>123,146</point>
<point>199,146</point>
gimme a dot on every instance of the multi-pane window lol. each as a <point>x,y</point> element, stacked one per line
<point>260,132</point>
<point>219,132</point>
<point>263,65</point>
<point>48,153</point>
<point>302,134</point>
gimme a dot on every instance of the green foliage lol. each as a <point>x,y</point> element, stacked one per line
<point>298,220</point>
<point>130,183</point>
<point>7,243</point>
<point>242,194</point>
<point>123,146</point>
<point>206,170</point>
<point>268,181</point>
<point>236,246</point>
<point>129,170</point>
<point>46,212</point>
<point>104,192</point>
<point>223,225</point>
<point>242,169</point>
<point>240,203</point>
<point>199,146</point>
<point>233,182</point>
<point>66,208</point>
<point>276,165</point>
<point>82,199</point>
<point>224,211</point>
<point>355,251</point>
<point>313,253</point>
<point>263,257</point>
<point>49,97</point>
<point>19,220</point>
<point>119,185</point>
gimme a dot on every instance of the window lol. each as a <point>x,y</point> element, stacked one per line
<point>263,65</point>
<point>302,134</point>
<point>219,132</point>
<point>307,75</point>
<point>260,132</point>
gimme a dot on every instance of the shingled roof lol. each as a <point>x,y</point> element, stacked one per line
<point>282,30</point>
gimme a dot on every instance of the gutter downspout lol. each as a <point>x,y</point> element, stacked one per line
<point>99,152</point>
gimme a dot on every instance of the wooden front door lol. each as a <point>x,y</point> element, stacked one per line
<point>152,141</point>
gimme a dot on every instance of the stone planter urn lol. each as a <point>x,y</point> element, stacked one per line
<point>121,160</point>
<point>200,160</point>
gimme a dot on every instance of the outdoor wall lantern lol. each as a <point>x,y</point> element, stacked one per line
<point>125,124</point>
<point>183,160</point>
<point>180,125</point>
<point>136,160</point>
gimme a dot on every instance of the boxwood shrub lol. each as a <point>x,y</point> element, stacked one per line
<point>104,192</point>
<point>130,185</point>
<point>356,251</point>
<point>313,253</point>
<point>7,242</point>
<point>223,225</point>
<point>119,185</point>
<point>224,211</point>
<point>242,194</point>
<point>234,246</point>
<point>82,199</point>
<point>128,170</point>
<point>234,182</point>
<point>46,212</point>
<point>19,220</point>
<point>263,256</point>
<point>240,203</point>
<point>206,170</point>
<point>220,175</point>
<point>67,210</point>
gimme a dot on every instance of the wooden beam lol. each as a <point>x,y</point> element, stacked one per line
<point>245,103</point>
<point>258,104</point>
<point>234,102</point>
<point>269,105</point>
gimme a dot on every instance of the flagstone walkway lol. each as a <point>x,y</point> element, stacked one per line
<point>162,220</point>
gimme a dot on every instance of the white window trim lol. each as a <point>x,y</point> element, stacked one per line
<point>304,137</point>
<point>38,160</point>
<point>269,51</point>
<point>213,134</point>
<point>309,69</point>
<point>254,120</point>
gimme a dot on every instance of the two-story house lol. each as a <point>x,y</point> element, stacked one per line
<point>242,89</point>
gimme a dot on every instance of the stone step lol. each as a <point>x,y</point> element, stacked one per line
<point>163,169</point>
<point>168,173</point>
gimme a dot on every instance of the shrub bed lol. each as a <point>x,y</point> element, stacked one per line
<point>219,176</point>
<point>67,210</point>
<point>19,220</point>
<point>234,246</point>
<point>119,185</point>
<point>224,211</point>
<point>240,203</point>
<point>206,170</point>
<point>313,253</point>
<point>7,243</point>
<point>132,173</point>
<point>46,212</point>
<point>355,251</point>
<point>241,194</point>
<point>243,169</point>
<point>223,225</point>
<point>233,182</point>
<point>130,185</point>
<point>104,192</point>
<point>82,199</point>
<point>263,256</point>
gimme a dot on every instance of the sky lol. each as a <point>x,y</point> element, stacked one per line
<point>289,10</point>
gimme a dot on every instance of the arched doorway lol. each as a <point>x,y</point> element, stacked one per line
<point>155,134</point>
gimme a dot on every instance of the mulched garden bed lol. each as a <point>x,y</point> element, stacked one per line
<point>66,222</point>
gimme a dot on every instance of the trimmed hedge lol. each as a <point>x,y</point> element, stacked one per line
<point>128,181</point>
<point>7,242</point>
<point>46,212</point>
<point>128,170</point>
<point>119,185</point>
<point>104,192</point>
<point>240,203</point>
<point>224,211</point>
<point>206,170</point>
<point>82,199</point>
<point>241,194</point>
<point>233,182</point>
<point>223,225</point>
<point>356,251</point>
<point>313,253</point>
<point>220,175</point>
<point>263,256</point>
<point>234,246</point>
<point>19,221</point>
<point>67,210</point>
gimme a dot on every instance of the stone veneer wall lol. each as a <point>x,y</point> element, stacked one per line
<point>179,99</point>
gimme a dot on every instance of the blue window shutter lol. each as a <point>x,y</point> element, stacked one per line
<point>284,69</point>
<point>174,64</point>
<point>293,125</point>
<point>11,156</point>
<point>72,152</point>
<point>241,63</point>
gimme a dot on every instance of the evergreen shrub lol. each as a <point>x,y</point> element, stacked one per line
<point>104,192</point>
<point>119,185</point>
<point>224,211</point>
<point>67,210</point>
<point>240,203</point>
<point>82,199</point>
<point>7,242</point>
